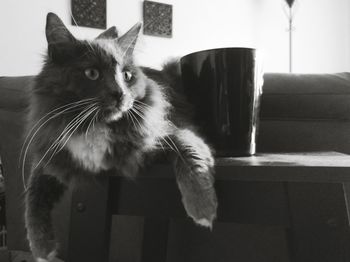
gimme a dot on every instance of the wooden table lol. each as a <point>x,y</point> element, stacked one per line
<point>307,194</point>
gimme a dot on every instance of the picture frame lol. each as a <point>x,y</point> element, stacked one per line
<point>157,19</point>
<point>89,13</point>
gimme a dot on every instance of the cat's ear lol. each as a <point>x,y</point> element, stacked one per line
<point>56,31</point>
<point>110,33</point>
<point>128,41</point>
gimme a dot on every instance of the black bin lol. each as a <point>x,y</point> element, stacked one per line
<point>225,86</point>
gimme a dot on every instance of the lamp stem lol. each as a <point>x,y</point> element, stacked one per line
<point>290,40</point>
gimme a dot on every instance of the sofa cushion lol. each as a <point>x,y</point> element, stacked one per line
<point>303,136</point>
<point>12,92</point>
<point>306,97</point>
<point>305,112</point>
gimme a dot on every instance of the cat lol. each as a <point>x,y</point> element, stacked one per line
<point>91,110</point>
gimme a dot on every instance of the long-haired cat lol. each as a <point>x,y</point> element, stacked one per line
<point>92,109</point>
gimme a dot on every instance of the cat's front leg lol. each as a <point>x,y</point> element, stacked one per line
<point>42,193</point>
<point>194,166</point>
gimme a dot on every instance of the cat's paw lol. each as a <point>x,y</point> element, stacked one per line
<point>49,258</point>
<point>199,197</point>
<point>194,168</point>
<point>44,251</point>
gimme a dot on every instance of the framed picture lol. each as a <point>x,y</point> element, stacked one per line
<point>89,13</point>
<point>157,19</point>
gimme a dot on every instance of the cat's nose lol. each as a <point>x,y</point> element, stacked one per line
<point>118,96</point>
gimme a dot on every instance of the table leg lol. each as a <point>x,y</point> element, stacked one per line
<point>155,240</point>
<point>90,222</point>
<point>319,222</point>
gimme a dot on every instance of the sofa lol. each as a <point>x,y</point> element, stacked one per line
<point>305,113</point>
<point>299,113</point>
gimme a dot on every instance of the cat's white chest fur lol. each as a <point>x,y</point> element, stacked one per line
<point>90,149</point>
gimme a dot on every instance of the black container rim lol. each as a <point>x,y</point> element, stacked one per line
<point>218,48</point>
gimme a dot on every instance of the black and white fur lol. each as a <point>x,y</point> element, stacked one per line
<point>92,109</point>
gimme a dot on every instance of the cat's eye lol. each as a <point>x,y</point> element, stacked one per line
<point>127,75</point>
<point>92,73</point>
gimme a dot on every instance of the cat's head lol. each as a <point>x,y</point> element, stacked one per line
<point>100,72</point>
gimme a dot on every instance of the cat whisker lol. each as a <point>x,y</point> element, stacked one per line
<point>70,106</point>
<point>140,126</point>
<point>128,117</point>
<point>172,144</point>
<point>71,125</point>
<point>135,118</point>
<point>38,129</point>
<point>79,122</point>
<point>56,150</point>
<point>75,22</point>
<point>71,122</point>
<point>161,144</point>
<point>61,144</point>
<point>138,114</point>
<point>96,119</point>
<point>143,103</point>
<point>177,149</point>
<point>92,119</point>
<point>132,118</point>
<point>146,107</point>
<point>158,136</point>
<point>75,107</point>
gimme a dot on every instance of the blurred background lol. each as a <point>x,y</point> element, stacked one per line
<point>321,35</point>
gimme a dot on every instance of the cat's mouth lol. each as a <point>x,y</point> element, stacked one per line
<point>114,116</point>
<point>119,112</point>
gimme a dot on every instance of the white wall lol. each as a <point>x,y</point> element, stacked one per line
<point>321,36</point>
<point>321,39</point>
<point>197,24</point>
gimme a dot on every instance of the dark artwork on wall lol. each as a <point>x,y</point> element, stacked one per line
<point>157,19</point>
<point>89,13</point>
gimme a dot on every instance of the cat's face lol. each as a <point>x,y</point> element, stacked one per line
<point>100,71</point>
